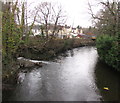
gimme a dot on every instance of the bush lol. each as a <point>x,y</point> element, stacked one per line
<point>107,47</point>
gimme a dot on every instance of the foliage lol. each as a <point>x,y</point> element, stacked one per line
<point>13,31</point>
<point>107,22</point>
<point>108,50</point>
<point>10,34</point>
<point>43,50</point>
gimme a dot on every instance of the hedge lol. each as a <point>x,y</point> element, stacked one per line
<point>108,50</point>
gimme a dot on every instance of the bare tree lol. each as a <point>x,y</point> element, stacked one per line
<point>49,13</point>
<point>58,18</point>
<point>33,22</point>
<point>106,19</point>
<point>20,10</point>
<point>44,14</point>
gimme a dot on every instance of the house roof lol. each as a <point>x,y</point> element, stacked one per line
<point>36,27</point>
<point>51,27</point>
<point>89,33</point>
<point>73,28</point>
<point>67,27</point>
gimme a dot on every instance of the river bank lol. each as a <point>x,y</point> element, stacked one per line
<point>47,50</point>
<point>78,76</point>
<point>108,49</point>
<point>38,49</point>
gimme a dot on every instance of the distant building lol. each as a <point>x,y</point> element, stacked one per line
<point>36,30</point>
<point>60,32</point>
<point>91,35</point>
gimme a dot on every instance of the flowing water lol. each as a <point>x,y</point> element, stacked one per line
<point>77,75</point>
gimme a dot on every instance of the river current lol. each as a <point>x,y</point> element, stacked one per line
<point>76,75</point>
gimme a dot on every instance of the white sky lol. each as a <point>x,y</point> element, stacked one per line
<point>77,10</point>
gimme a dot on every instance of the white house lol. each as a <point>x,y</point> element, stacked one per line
<point>36,30</point>
<point>62,31</point>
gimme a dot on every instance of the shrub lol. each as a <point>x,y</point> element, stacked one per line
<point>107,47</point>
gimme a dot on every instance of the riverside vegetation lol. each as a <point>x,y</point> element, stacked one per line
<point>18,42</point>
<point>39,49</point>
<point>108,30</point>
<point>108,50</point>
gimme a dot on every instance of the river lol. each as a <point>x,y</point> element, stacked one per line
<point>76,75</point>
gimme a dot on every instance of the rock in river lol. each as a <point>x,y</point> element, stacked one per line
<point>28,63</point>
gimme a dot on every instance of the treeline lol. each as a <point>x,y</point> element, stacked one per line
<point>16,28</point>
<point>16,35</point>
<point>38,50</point>
<point>16,32</point>
<point>107,23</point>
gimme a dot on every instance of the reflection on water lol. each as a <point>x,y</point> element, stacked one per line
<point>107,77</point>
<point>78,76</point>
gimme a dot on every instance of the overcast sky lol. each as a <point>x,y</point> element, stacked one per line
<point>77,10</point>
